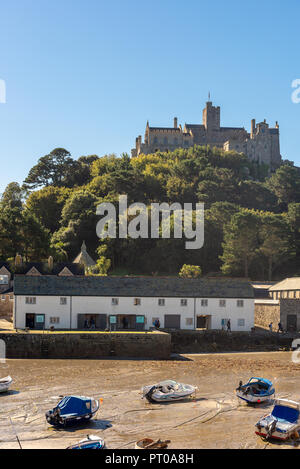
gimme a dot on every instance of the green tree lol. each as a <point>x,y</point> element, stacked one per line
<point>57,169</point>
<point>47,204</point>
<point>240,242</point>
<point>285,183</point>
<point>275,243</point>
<point>190,271</point>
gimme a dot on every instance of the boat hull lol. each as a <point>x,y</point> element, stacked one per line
<point>252,399</point>
<point>5,384</point>
<point>275,435</point>
<point>89,443</point>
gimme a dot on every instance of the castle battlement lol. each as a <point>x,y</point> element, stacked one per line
<point>261,144</point>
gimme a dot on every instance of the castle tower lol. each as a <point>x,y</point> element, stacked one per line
<point>211,117</point>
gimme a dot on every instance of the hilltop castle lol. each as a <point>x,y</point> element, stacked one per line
<point>261,144</point>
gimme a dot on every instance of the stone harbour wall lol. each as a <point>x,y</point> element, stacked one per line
<point>148,345</point>
<point>186,342</point>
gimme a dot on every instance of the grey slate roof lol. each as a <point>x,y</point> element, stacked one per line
<point>132,287</point>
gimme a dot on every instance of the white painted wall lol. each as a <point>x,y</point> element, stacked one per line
<point>230,311</point>
<point>51,307</point>
<point>48,305</point>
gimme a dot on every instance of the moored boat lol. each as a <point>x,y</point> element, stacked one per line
<point>282,423</point>
<point>90,442</point>
<point>72,409</point>
<point>256,390</point>
<point>5,383</point>
<point>167,391</point>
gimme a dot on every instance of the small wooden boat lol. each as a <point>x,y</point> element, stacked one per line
<point>90,442</point>
<point>5,383</point>
<point>147,443</point>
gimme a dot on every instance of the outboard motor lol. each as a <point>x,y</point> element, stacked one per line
<point>240,386</point>
<point>271,428</point>
<point>148,395</point>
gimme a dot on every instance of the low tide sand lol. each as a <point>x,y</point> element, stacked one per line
<point>213,419</point>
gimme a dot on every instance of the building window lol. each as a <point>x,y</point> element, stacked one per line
<point>240,303</point>
<point>222,303</point>
<point>241,322</point>
<point>2,297</point>
<point>30,300</point>
<point>204,302</point>
<point>189,321</point>
<point>63,301</point>
<point>137,302</point>
<point>161,302</point>
<point>115,301</point>
<point>3,279</point>
<point>54,320</point>
<point>183,302</point>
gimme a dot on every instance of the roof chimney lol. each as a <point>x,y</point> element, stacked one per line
<point>253,126</point>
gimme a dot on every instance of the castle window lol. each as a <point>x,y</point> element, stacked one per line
<point>166,140</point>
<point>175,141</point>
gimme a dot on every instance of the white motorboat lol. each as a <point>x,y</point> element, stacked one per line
<point>167,391</point>
<point>5,383</point>
<point>282,423</point>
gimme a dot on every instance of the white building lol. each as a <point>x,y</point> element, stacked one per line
<point>132,303</point>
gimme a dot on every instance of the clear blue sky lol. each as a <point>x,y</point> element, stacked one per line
<point>86,75</point>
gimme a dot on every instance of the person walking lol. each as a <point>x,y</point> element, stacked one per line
<point>271,327</point>
<point>280,328</point>
<point>228,325</point>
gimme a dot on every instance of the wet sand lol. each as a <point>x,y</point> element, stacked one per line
<point>214,419</point>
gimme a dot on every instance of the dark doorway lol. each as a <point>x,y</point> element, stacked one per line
<point>172,321</point>
<point>30,323</point>
<point>203,322</point>
<point>126,322</point>
<point>35,321</point>
<point>92,321</point>
<point>291,322</point>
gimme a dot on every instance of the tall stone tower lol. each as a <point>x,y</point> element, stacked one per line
<point>211,117</point>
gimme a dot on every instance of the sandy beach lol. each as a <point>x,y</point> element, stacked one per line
<point>215,418</point>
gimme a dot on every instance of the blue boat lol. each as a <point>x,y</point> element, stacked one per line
<point>256,390</point>
<point>90,442</point>
<point>72,409</point>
